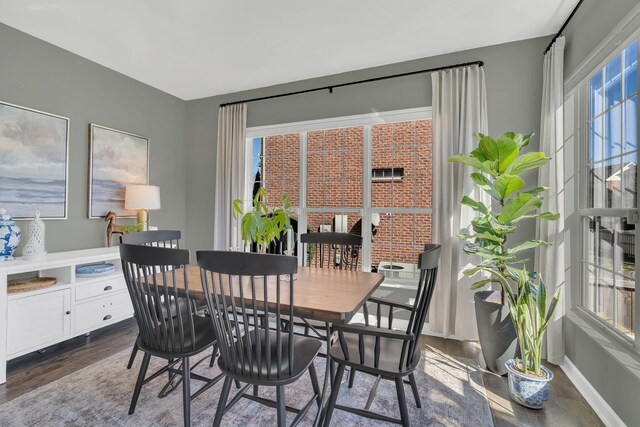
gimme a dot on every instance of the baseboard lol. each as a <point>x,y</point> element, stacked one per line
<point>591,395</point>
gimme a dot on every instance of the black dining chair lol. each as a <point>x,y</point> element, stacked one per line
<point>382,351</point>
<point>159,238</point>
<point>339,251</point>
<point>240,286</point>
<point>166,330</point>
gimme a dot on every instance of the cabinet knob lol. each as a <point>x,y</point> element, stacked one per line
<point>68,312</point>
<point>107,317</point>
<point>108,288</point>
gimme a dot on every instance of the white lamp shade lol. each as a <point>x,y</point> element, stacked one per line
<point>142,197</point>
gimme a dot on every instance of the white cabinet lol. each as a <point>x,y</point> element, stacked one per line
<point>72,307</point>
<point>37,321</point>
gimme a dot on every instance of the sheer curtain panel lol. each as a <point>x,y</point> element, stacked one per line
<point>459,110</point>
<point>550,260</point>
<point>231,173</point>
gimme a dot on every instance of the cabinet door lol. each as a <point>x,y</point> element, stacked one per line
<point>37,321</point>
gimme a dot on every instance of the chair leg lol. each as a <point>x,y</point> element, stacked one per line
<point>352,377</point>
<point>186,392</point>
<point>402,401</point>
<point>332,371</point>
<point>281,404</point>
<point>140,380</point>
<point>222,402</point>
<point>414,387</point>
<point>335,389</point>
<point>314,383</point>
<point>213,355</point>
<point>134,351</point>
<point>255,390</point>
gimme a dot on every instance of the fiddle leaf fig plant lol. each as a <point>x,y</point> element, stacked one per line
<point>499,166</point>
<point>262,225</point>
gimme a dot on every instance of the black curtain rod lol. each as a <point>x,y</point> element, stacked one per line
<point>559,33</point>
<point>375,79</point>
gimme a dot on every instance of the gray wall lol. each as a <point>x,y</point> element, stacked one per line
<point>619,386</point>
<point>514,86</point>
<point>38,75</point>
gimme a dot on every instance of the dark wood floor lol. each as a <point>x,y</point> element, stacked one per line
<point>566,408</point>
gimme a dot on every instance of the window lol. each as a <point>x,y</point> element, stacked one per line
<point>385,174</point>
<point>609,203</point>
<point>368,175</point>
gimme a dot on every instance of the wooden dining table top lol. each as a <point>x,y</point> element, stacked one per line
<point>323,294</point>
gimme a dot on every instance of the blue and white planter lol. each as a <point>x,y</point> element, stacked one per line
<point>9,236</point>
<point>532,392</point>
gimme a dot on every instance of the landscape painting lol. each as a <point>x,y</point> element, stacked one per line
<point>33,162</point>
<point>117,159</point>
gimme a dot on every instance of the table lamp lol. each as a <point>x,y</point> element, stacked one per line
<point>143,198</point>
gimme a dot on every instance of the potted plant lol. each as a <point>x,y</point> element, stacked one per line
<point>262,225</point>
<point>528,379</point>
<point>499,166</point>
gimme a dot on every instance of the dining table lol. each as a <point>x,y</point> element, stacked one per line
<point>328,295</point>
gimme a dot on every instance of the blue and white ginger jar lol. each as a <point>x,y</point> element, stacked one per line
<point>9,236</point>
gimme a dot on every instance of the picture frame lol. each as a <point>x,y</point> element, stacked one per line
<point>116,159</point>
<point>34,171</point>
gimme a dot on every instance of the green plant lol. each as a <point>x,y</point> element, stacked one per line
<point>529,313</point>
<point>499,166</point>
<point>133,228</point>
<point>262,225</point>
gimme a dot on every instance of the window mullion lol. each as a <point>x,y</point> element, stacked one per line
<point>367,244</point>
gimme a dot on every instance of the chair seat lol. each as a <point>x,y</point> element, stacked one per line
<point>305,350</point>
<point>390,355</point>
<point>204,337</point>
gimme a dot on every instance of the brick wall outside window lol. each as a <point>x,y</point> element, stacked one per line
<point>334,180</point>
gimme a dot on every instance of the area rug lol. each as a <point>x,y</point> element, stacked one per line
<point>451,390</point>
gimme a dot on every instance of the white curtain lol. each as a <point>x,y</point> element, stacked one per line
<point>459,109</point>
<point>550,260</point>
<point>231,173</point>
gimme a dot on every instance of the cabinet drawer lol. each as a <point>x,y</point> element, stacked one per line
<point>100,287</point>
<point>102,311</point>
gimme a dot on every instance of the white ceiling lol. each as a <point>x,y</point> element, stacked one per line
<point>198,48</point>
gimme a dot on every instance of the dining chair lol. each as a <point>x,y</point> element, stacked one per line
<point>339,251</point>
<point>160,238</point>
<point>166,330</point>
<point>239,286</point>
<point>382,351</point>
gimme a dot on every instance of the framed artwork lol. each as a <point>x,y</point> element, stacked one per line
<point>34,162</point>
<point>116,159</point>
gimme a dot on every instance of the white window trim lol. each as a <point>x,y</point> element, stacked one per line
<point>582,94</point>
<point>420,113</point>
<point>364,120</point>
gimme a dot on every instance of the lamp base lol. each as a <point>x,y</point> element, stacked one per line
<point>143,218</point>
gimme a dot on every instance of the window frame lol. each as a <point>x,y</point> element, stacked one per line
<point>580,260</point>
<point>366,121</point>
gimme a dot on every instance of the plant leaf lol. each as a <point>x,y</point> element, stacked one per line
<point>536,190</point>
<point>506,184</point>
<point>520,205</point>
<point>482,283</point>
<point>476,206</point>
<point>523,140</point>
<point>503,150</point>
<point>549,216</point>
<point>474,162</point>
<point>527,161</point>
<point>529,244</point>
